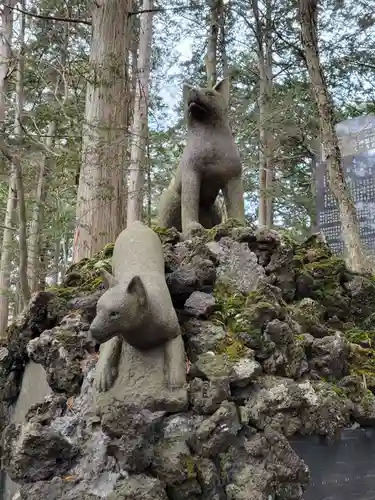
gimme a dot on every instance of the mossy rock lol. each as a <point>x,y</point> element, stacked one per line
<point>335,302</point>
<point>322,274</point>
<point>369,322</point>
<point>314,248</point>
<point>362,303</point>
<point>229,309</point>
<point>232,348</point>
<point>357,335</point>
<point>320,279</point>
<point>167,235</point>
<point>289,238</point>
<point>62,292</point>
<point>332,268</point>
<point>108,250</point>
<point>190,466</point>
<point>67,338</point>
<point>84,277</point>
<point>309,314</point>
<point>244,317</point>
<point>226,228</point>
<point>362,361</point>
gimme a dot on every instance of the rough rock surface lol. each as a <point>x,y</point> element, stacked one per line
<point>278,338</point>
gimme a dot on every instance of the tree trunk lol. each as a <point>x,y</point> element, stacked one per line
<point>36,229</point>
<point>22,217</point>
<point>268,145</point>
<point>6,256</point>
<point>56,262</point>
<point>37,223</point>
<point>211,55</point>
<point>222,39</point>
<point>140,120</point>
<point>264,53</point>
<point>356,257</point>
<point>133,59</point>
<point>100,210</point>
<point>65,246</point>
<point>5,54</point>
<point>6,250</point>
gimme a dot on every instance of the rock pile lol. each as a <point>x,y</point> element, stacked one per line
<point>278,337</point>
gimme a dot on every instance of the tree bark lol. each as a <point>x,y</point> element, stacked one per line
<point>264,53</point>
<point>56,262</point>
<point>355,255</point>
<point>6,257</point>
<point>222,39</point>
<point>211,55</point>
<point>36,228</point>
<point>100,207</point>
<point>6,250</point>
<point>270,173</point>
<point>140,120</point>
<point>22,217</point>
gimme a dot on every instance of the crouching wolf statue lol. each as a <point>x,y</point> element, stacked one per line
<point>142,355</point>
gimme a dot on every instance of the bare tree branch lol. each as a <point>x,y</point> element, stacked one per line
<point>165,9</point>
<point>88,23</point>
<point>50,18</point>
<point>8,228</point>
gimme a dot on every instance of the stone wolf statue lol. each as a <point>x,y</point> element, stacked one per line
<point>210,163</point>
<point>142,351</point>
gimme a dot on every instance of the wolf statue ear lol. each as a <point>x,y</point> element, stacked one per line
<point>185,91</point>
<point>222,86</point>
<point>108,279</point>
<point>137,288</point>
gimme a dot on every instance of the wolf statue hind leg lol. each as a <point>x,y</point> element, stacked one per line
<point>169,210</point>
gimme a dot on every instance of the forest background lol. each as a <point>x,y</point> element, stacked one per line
<point>92,126</point>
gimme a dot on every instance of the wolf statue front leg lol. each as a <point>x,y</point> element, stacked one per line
<point>107,364</point>
<point>234,199</point>
<point>190,194</point>
<point>175,369</point>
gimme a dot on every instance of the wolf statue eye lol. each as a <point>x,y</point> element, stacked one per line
<point>210,94</point>
<point>113,314</point>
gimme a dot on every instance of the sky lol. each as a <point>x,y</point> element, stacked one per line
<point>170,91</point>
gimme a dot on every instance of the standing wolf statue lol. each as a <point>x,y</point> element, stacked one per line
<point>210,163</point>
<point>142,355</point>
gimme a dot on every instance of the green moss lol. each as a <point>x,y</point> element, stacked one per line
<point>341,392</point>
<point>255,297</point>
<point>369,322</point>
<point>223,229</point>
<point>308,313</point>
<point>229,307</point>
<point>108,250</point>
<point>357,335</point>
<point>84,276</point>
<point>67,338</point>
<point>362,362</point>
<point>326,268</point>
<point>368,400</point>
<point>190,466</point>
<point>315,242</point>
<point>65,293</point>
<point>289,238</point>
<point>167,235</point>
<point>232,348</point>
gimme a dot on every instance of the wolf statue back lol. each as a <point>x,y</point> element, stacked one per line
<point>210,163</point>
